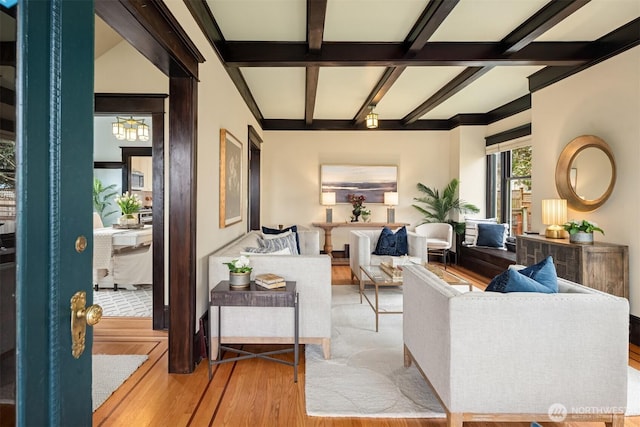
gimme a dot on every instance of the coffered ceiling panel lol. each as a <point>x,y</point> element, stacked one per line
<point>342,90</point>
<point>279,92</point>
<point>414,86</point>
<point>593,21</point>
<point>490,91</point>
<point>274,20</point>
<point>371,20</point>
<point>485,20</point>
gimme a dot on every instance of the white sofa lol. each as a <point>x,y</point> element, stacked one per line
<point>518,356</point>
<point>363,244</point>
<point>310,270</point>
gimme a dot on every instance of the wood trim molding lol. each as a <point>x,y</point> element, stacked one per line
<point>169,48</point>
<point>634,330</point>
<point>107,165</point>
<point>131,103</point>
<point>508,135</point>
<point>183,113</point>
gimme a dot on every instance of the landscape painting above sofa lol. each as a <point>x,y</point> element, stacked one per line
<point>369,181</point>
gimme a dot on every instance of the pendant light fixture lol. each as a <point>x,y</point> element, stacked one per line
<point>130,129</point>
<point>372,118</point>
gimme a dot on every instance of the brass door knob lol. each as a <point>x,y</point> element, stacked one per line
<point>81,316</point>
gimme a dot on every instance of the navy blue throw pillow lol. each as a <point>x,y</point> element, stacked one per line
<point>293,228</point>
<point>512,281</point>
<point>393,244</point>
<point>543,272</point>
<point>491,235</point>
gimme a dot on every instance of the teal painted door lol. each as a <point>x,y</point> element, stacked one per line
<point>55,164</point>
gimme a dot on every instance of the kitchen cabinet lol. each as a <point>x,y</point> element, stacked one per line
<point>144,164</point>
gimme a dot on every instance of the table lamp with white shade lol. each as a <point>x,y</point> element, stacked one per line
<point>391,200</point>
<point>554,215</point>
<point>329,199</point>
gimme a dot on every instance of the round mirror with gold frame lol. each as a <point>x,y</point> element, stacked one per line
<point>585,173</point>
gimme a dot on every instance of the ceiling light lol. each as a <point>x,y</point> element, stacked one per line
<point>130,129</point>
<point>372,119</point>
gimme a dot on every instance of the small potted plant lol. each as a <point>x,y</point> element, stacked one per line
<point>581,231</point>
<point>129,205</point>
<point>239,272</point>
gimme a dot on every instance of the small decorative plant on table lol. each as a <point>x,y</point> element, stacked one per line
<point>581,231</point>
<point>239,272</point>
<point>130,206</point>
<point>356,202</point>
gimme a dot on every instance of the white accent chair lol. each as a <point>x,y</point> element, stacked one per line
<point>439,238</point>
<point>363,243</point>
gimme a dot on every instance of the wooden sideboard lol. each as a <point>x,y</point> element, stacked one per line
<point>601,266</point>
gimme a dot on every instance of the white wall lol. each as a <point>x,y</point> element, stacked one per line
<point>123,70</point>
<point>291,172</point>
<point>219,106</point>
<point>603,100</point>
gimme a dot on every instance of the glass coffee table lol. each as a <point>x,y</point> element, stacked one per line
<point>384,276</point>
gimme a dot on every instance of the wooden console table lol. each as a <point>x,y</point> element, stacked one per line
<point>329,226</point>
<point>601,266</point>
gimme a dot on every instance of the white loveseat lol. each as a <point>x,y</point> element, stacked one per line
<point>310,270</point>
<point>363,244</point>
<point>518,356</point>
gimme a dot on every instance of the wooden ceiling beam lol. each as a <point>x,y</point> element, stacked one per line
<point>461,81</point>
<point>311,89</point>
<point>353,54</point>
<point>546,18</point>
<point>204,18</point>
<point>607,46</point>
<point>316,13</point>
<point>431,18</point>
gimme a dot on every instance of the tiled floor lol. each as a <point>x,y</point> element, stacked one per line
<point>125,303</point>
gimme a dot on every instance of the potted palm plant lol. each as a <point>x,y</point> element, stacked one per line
<point>440,205</point>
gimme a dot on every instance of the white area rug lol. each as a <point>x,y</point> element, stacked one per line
<point>365,376</point>
<point>125,303</point>
<point>110,371</point>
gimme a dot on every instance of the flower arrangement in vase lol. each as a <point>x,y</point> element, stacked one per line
<point>239,271</point>
<point>129,206</point>
<point>581,231</point>
<point>357,203</point>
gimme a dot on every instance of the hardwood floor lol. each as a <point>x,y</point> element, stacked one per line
<point>247,393</point>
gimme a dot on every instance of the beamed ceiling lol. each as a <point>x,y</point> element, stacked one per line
<point>423,64</point>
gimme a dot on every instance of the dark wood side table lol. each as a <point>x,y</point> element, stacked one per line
<point>223,295</point>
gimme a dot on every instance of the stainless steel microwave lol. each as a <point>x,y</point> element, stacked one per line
<point>137,180</point>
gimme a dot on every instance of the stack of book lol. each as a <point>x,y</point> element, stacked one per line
<point>270,281</point>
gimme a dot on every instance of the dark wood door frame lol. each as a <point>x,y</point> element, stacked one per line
<point>153,104</point>
<point>151,29</point>
<point>254,180</point>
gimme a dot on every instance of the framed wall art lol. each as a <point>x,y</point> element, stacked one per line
<point>230,179</point>
<point>369,181</point>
